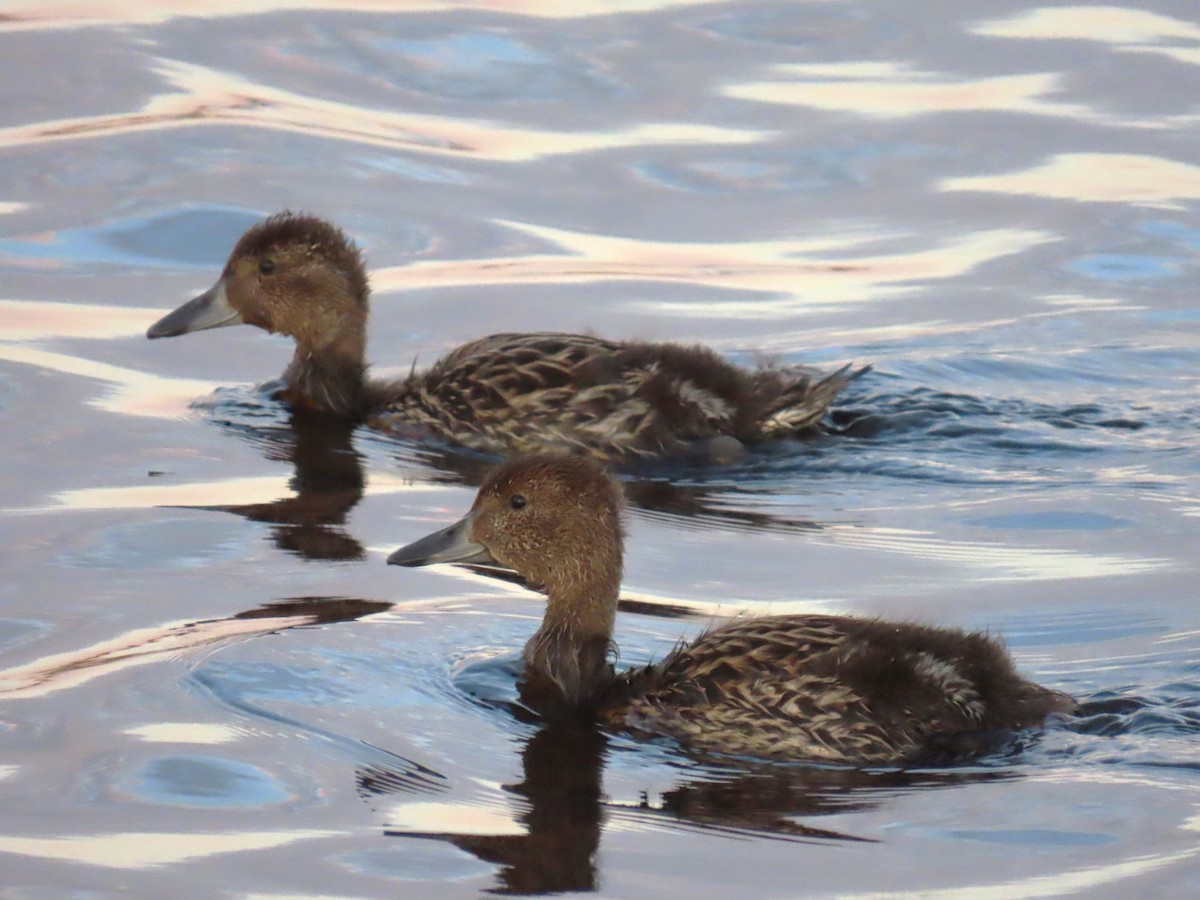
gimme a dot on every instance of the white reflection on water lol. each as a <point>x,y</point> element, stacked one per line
<point>205,97</point>
<point>788,269</point>
<point>992,561</point>
<point>1106,24</point>
<point>1095,177</point>
<point>452,818</point>
<point>21,15</point>
<point>185,733</point>
<point>893,90</point>
<point>138,850</point>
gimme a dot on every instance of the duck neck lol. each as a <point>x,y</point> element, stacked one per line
<point>330,377</point>
<point>569,652</point>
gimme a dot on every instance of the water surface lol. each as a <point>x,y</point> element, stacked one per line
<point>209,678</point>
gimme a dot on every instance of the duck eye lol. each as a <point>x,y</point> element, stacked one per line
<point>266,266</point>
<point>517,501</point>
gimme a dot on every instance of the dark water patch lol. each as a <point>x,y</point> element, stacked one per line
<point>249,410</point>
<point>1134,727</point>
<point>911,414</point>
<point>1171,708</point>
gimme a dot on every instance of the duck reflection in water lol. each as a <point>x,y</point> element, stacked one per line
<point>328,481</point>
<point>563,807</point>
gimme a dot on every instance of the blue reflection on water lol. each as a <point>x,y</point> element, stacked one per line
<point>179,543</point>
<point>193,237</point>
<point>1179,234</point>
<point>1124,266</point>
<point>205,781</point>
<point>1053,520</point>
<point>1036,837</point>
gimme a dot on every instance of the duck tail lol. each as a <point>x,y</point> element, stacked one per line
<point>803,401</point>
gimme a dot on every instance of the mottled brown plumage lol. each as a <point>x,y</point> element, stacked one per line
<point>830,688</point>
<point>301,276</point>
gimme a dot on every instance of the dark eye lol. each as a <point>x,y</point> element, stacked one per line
<point>266,266</point>
<point>517,501</point>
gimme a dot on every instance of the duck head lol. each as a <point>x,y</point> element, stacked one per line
<point>555,519</point>
<point>290,274</point>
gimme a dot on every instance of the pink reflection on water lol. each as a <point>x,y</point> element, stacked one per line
<point>205,96</point>
<point>169,640</point>
<point>31,320</point>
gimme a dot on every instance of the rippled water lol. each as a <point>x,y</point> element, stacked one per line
<point>209,678</point>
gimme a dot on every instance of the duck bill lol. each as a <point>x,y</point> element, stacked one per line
<point>210,310</point>
<point>451,544</point>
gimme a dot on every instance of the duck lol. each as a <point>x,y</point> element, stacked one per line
<point>301,276</point>
<point>819,688</point>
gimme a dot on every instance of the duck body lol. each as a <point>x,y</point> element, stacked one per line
<point>616,400</point>
<point>301,276</point>
<point>834,689</point>
<point>823,688</point>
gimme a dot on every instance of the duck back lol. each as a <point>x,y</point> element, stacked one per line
<point>835,689</point>
<point>522,392</point>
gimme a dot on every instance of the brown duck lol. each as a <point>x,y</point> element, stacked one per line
<point>815,687</point>
<point>301,276</point>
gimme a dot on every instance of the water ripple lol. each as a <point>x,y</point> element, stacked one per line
<point>204,96</point>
